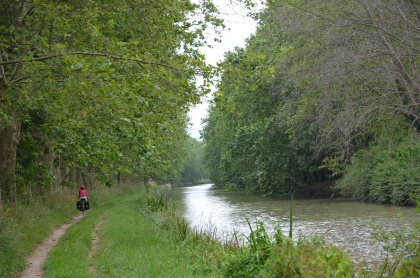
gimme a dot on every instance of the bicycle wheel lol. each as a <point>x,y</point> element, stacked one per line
<point>83,206</point>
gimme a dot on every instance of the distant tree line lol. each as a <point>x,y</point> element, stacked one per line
<point>193,170</point>
<point>324,91</point>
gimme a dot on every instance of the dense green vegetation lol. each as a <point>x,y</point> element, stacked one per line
<point>128,245</point>
<point>98,91</point>
<point>324,91</point>
<point>193,167</point>
<point>24,227</point>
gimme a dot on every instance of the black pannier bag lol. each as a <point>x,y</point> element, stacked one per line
<point>86,205</point>
<point>79,205</point>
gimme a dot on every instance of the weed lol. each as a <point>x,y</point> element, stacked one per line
<point>403,246</point>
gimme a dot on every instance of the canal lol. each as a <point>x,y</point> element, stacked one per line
<point>345,223</point>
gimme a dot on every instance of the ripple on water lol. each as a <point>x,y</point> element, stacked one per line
<point>345,223</point>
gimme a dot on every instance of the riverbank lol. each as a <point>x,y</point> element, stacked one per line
<point>127,244</point>
<point>137,233</point>
<point>143,235</point>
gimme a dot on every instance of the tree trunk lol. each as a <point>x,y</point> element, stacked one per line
<point>9,140</point>
<point>48,160</point>
<point>10,128</point>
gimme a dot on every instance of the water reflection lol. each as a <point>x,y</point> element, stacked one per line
<point>344,223</point>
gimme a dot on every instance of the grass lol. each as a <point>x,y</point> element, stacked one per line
<point>69,258</point>
<point>142,235</point>
<point>131,244</point>
<point>134,247</point>
<point>25,226</point>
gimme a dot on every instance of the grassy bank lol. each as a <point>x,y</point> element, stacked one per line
<point>25,226</point>
<point>136,233</point>
<point>130,243</point>
<point>143,235</point>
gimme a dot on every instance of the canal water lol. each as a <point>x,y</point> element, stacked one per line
<point>347,224</point>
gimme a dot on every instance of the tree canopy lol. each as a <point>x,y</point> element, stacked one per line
<point>101,87</point>
<point>317,93</point>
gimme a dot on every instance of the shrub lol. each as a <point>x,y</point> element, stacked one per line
<point>307,258</point>
<point>282,257</point>
<point>386,172</point>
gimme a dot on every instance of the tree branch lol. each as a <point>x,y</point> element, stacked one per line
<point>6,7</point>
<point>116,57</point>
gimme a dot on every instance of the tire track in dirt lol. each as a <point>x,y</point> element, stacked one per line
<point>35,261</point>
<point>95,245</point>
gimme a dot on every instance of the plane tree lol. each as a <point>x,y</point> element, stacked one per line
<point>113,81</point>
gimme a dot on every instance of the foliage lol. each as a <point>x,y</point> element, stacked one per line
<point>252,141</point>
<point>352,60</point>
<point>193,166</point>
<point>114,81</point>
<point>281,257</point>
<point>385,172</point>
<point>29,164</point>
<point>24,227</point>
<point>250,260</point>
<point>153,201</point>
<point>320,82</point>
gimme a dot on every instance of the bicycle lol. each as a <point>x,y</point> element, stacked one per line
<point>82,205</point>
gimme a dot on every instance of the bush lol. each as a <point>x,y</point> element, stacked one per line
<point>248,260</point>
<point>385,173</point>
<point>281,257</point>
<point>307,258</point>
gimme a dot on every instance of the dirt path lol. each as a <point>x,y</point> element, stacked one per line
<point>35,261</point>
<point>95,244</point>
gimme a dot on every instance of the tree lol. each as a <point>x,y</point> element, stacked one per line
<point>356,62</point>
<point>329,76</point>
<point>114,80</point>
<point>193,166</point>
<point>249,143</point>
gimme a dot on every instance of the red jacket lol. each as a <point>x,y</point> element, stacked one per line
<point>82,193</point>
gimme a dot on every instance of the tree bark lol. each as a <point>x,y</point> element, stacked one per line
<point>48,160</point>
<point>10,127</point>
<point>9,140</point>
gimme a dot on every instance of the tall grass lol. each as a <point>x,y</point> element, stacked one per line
<point>25,226</point>
<point>291,216</point>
